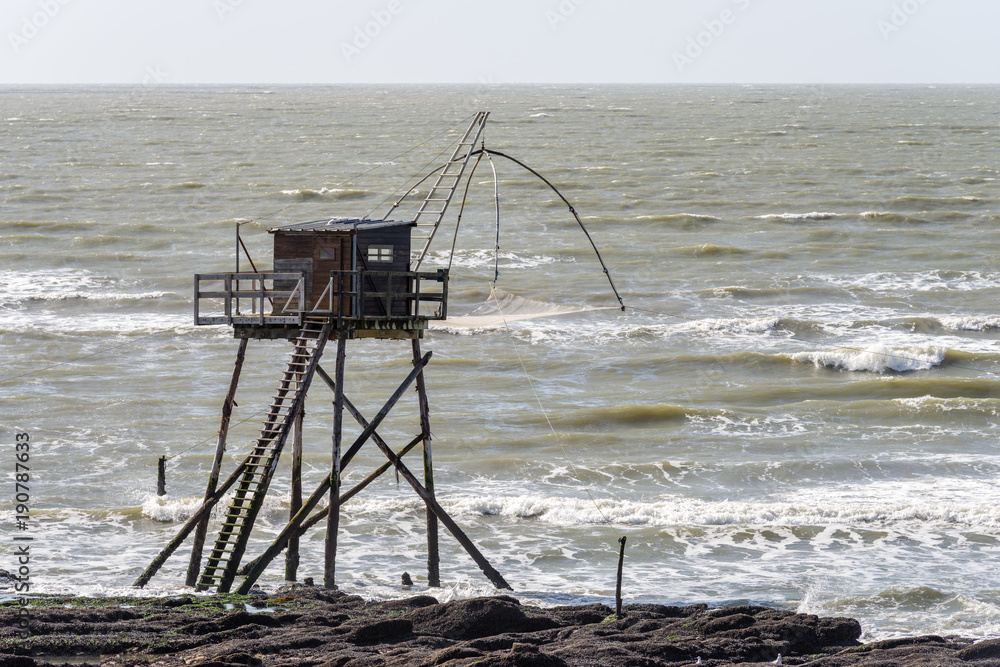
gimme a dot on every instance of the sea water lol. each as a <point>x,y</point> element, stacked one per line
<point>798,407</point>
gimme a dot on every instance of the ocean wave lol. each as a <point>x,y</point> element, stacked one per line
<point>683,511</point>
<point>876,358</point>
<point>970,323</point>
<point>632,415</point>
<point>684,218</point>
<point>478,259</point>
<point>815,215</point>
<point>752,325</point>
<point>326,193</point>
<point>709,249</point>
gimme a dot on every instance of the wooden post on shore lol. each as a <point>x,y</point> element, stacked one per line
<point>292,555</point>
<point>194,567</point>
<point>433,556</point>
<point>202,513</point>
<point>161,476</point>
<point>333,516</point>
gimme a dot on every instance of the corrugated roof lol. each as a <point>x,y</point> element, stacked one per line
<point>338,225</point>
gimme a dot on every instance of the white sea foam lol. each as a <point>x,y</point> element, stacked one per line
<point>925,503</point>
<point>876,358</point>
<point>970,323</point>
<point>480,259</point>
<point>751,325</point>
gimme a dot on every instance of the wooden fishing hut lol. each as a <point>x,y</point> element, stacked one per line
<point>334,279</point>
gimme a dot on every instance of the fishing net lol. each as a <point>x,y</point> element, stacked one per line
<point>503,306</point>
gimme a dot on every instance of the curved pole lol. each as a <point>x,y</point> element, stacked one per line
<point>571,210</point>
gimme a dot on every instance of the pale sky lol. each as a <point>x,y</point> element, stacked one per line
<point>499,41</point>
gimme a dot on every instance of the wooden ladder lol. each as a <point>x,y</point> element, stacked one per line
<point>432,209</point>
<point>224,560</point>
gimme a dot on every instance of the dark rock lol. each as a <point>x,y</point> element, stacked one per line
<point>713,624</point>
<point>229,622</point>
<point>468,619</point>
<point>381,631</point>
<point>406,604</point>
<point>984,650</point>
<point>591,613</point>
<point>231,660</point>
<point>8,660</point>
<point>453,653</point>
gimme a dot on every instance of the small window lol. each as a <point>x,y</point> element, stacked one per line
<point>380,253</point>
<point>327,253</point>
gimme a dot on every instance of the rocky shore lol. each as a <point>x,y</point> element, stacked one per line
<point>304,626</point>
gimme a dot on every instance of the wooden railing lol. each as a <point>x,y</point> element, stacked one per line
<point>350,296</point>
<point>385,295</point>
<point>249,298</point>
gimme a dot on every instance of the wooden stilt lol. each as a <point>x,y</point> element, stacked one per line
<point>433,556</point>
<point>320,515</point>
<point>429,500</point>
<point>333,515</point>
<point>194,567</point>
<point>281,540</point>
<point>161,476</point>
<point>292,555</point>
<point>186,529</point>
<point>452,527</point>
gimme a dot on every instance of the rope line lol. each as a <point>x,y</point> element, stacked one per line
<point>213,437</point>
<point>355,177</point>
<point>42,369</point>
<point>572,210</point>
<point>496,200</point>
<point>545,414</point>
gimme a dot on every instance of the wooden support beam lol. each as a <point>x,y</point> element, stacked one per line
<point>355,490</point>
<point>292,555</point>
<point>428,498</point>
<point>452,527</point>
<point>433,555</point>
<point>333,514</point>
<point>303,513</point>
<point>186,529</point>
<point>194,567</point>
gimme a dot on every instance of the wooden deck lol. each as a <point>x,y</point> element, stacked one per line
<point>269,305</point>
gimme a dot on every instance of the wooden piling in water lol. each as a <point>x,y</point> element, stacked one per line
<point>333,512</point>
<point>292,554</point>
<point>433,555</point>
<point>306,524</point>
<point>202,513</point>
<point>161,476</point>
<point>302,514</point>
<point>194,566</point>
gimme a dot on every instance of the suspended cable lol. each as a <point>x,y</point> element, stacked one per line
<point>496,200</point>
<point>355,177</point>
<point>545,414</point>
<point>571,210</point>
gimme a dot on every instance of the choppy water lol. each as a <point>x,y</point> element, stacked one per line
<point>799,408</point>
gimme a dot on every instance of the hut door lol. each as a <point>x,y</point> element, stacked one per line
<point>331,253</point>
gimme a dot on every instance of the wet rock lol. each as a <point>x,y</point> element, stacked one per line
<point>382,631</point>
<point>985,650</point>
<point>468,619</point>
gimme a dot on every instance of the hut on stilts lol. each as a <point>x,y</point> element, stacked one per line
<point>333,280</point>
